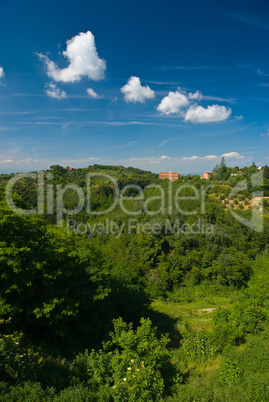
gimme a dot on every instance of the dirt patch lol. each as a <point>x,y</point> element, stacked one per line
<point>206,310</point>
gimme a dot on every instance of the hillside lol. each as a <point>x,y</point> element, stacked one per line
<point>119,286</point>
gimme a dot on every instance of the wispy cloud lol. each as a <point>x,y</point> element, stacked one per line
<point>164,142</point>
<point>206,67</point>
<point>114,123</point>
<point>255,22</point>
<point>219,99</point>
<point>264,134</point>
<point>15,113</point>
<point>262,73</point>
<point>129,144</point>
<point>187,67</point>
<point>175,83</point>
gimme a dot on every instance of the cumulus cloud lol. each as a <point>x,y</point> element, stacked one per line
<point>196,95</point>
<point>83,60</point>
<point>233,155</point>
<point>173,102</point>
<point>185,105</point>
<point>214,113</point>
<point>134,92</point>
<point>93,94</point>
<point>55,92</point>
<point>2,73</point>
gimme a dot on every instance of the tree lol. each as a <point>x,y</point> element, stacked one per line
<point>266,172</point>
<point>51,291</point>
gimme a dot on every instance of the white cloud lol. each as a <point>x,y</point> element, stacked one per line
<point>182,164</point>
<point>193,158</point>
<point>6,161</point>
<point>149,160</point>
<point>233,155</point>
<point>263,135</point>
<point>196,95</point>
<point>83,60</point>
<point>252,21</point>
<point>218,99</point>
<point>93,94</point>
<point>55,92</point>
<point>214,113</point>
<point>260,72</point>
<point>2,73</point>
<point>134,92</point>
<point>182,161</point>
<point>164,142</point>
<point>173,102</point>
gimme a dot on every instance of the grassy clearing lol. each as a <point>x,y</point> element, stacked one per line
<point>198,313</point>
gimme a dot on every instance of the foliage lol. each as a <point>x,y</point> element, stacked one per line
<point>131,366</point>
<point>61,294</point>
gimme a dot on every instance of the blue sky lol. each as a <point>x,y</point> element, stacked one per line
<point>157,85</point>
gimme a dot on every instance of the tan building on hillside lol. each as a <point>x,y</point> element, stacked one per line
<point>171,176</point>
<point>206,175</point>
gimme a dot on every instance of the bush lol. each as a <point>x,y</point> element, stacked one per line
<point>196,344</point>
<point>133,366</point>
<point>28,392</point>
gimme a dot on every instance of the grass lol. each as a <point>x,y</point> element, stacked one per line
<point>195,312</point>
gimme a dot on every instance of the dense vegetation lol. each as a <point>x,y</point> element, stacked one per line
<point>144,302</point>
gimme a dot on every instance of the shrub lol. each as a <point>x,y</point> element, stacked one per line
<point>196,344</point>
<point>130,367</point>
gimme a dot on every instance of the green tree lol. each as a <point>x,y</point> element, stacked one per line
<point>266,172</point>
